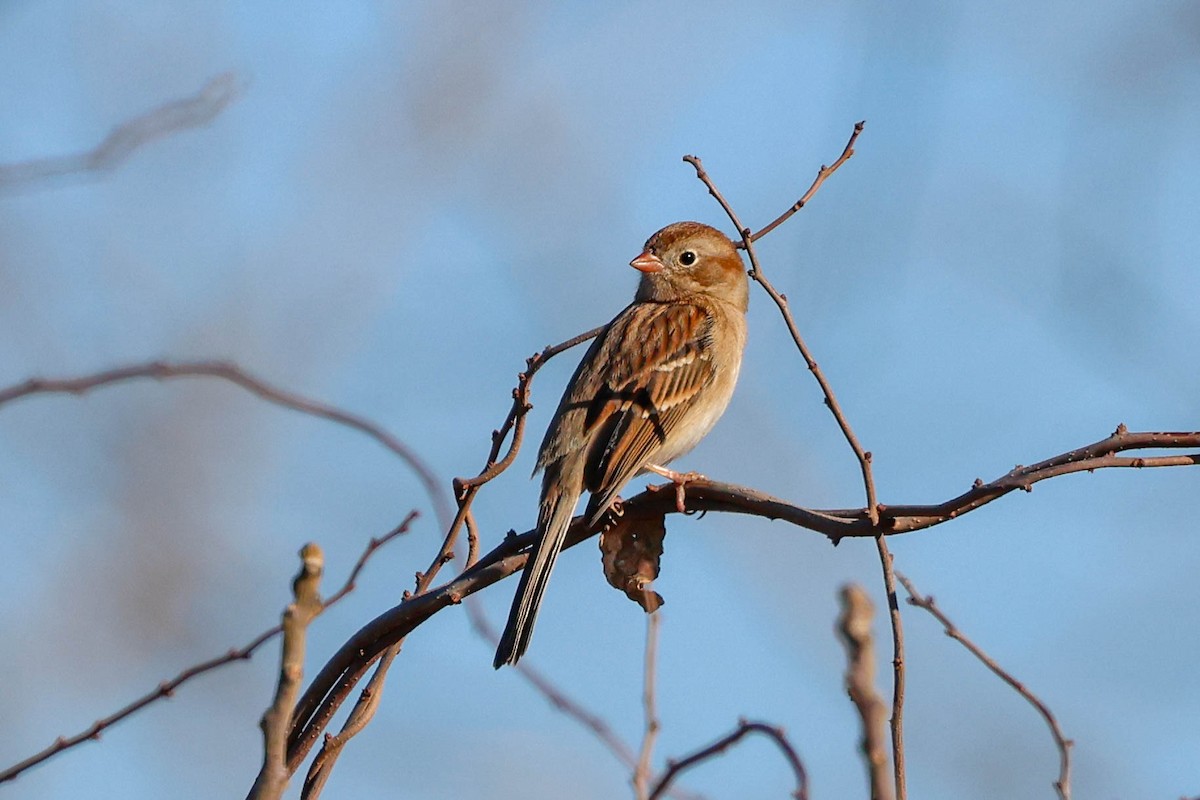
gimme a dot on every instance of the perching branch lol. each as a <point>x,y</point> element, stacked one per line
<point>328,689</point>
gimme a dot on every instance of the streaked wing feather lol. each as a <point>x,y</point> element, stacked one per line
<point>646,394</point>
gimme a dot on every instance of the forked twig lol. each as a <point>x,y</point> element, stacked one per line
<point>756,274</point>
<point>823,173</point>
<point>863,456</point>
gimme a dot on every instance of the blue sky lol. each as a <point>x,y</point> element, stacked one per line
<point>408,199</point>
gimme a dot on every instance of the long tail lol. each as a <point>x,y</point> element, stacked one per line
<point>554,518</point>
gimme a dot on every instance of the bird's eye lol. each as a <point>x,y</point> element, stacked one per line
<point>687,258</point>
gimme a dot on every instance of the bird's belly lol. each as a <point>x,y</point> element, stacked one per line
<point>687,436</point>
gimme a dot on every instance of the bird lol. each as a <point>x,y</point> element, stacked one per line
<point>650,387</point>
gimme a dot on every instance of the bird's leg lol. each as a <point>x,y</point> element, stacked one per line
<point>680,479</point>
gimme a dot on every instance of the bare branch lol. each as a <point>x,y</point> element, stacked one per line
<point>360,716</point>
<point>897,625</point>
<point>328,689</point>
<point>744,728</point>
<point>756,274</point>
<point>641,774</point>
<point>273,777</point>
<point>232,373</point>
<point>177,115</point>
<point>823,173</point>
<point>1063,784</point>
<point>167,688</point>
<point>854,627</point>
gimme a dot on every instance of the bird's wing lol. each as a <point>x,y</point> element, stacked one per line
<point>661,361</point>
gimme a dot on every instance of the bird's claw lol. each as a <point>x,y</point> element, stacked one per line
<point>681,480</point>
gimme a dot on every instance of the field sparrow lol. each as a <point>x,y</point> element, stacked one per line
<point>649,388</point>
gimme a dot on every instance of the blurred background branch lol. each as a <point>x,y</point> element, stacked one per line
<point>169,118</point>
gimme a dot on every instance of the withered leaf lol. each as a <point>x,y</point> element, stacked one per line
<point>630,551</point>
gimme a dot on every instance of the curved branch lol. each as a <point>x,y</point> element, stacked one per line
<point>334,682</point>
<point>744,728</point>
<point>177,115</point>
<point>232,373</point>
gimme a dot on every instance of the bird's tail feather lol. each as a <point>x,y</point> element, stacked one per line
<point>554,518</point>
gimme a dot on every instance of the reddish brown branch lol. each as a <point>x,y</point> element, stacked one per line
<point>1063,784</point>
<point>327,691</point>
<point>167,688</point>
<point>744,728</point>
<point>189,112</point>
<point>360,716</point>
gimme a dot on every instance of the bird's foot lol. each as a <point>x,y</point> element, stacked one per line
<point>680,479</point>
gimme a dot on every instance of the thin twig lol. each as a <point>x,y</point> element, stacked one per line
<point>641,774</point>
<point>177,115</point>
<point>1063,784</point>
<point>756,274</point>
<point>273,777</point>
<point>167,688</point>
<point>360,716</point>
<point>744,728</point>
<point>472,539</point>
<point>897,625</point>
<point>575,711</point>
<point>854,626</point>
<point>236,375</point>
<point>823,173</point>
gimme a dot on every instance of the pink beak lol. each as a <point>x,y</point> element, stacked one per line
<point>647,262</point>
